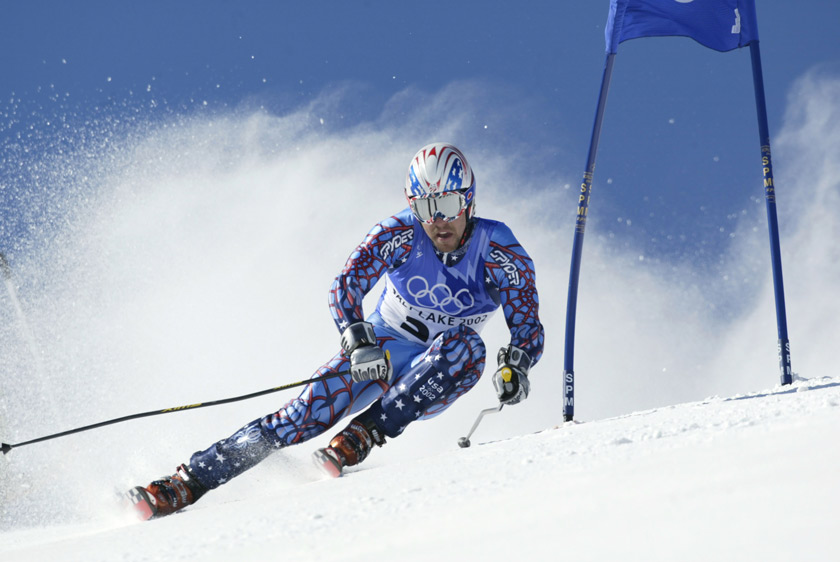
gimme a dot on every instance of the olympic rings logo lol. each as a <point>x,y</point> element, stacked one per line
<point>439,296</point>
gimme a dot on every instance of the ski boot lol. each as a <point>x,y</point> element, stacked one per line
<point>348,448</point>
<point>167,495</point>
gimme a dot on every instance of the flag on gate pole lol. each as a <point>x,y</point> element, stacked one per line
<point>721,25</point>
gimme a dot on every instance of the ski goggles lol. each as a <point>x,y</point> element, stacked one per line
<point>447,206</point>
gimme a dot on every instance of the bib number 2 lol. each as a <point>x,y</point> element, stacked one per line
<point>416,328</point>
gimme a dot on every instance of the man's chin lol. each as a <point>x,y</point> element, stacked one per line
<point>445,245</point>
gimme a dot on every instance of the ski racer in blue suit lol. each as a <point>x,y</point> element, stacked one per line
<point>446,272</point>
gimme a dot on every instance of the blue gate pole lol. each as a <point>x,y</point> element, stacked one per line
<point>772,221</point>
<point>577,248</point>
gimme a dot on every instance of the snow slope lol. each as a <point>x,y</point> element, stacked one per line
<point>161,276</point>
<point>752,477</point>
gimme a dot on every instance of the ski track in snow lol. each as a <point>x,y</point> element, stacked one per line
<point>751,477</point>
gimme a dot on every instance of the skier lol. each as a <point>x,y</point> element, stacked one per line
<point>446,272</point>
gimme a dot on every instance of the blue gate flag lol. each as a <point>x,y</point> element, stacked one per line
<point>721,25</point>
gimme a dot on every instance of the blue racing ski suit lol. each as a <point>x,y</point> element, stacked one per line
<point>428,317</point>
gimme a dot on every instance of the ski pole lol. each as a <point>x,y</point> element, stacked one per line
<point>465,441</point>
<point>6,447</point>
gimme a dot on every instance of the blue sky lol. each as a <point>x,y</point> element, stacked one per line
<point>679,151</point>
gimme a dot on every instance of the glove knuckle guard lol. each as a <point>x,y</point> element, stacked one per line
<point>369,362</point>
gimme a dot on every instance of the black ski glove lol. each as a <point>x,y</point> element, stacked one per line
<point>367,360</point>
<point>511,378</point>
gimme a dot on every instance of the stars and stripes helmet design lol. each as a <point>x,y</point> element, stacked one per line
<point>440,184</point>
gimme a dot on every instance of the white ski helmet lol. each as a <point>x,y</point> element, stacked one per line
<point>440,184</point>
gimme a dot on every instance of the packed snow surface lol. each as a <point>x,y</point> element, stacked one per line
<point>751,477</point>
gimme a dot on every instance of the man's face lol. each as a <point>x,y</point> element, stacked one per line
<point>446,236</point>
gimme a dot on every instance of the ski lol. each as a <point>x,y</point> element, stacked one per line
<point>328,464</point>
<point>142,504</point>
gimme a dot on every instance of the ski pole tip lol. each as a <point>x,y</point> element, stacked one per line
<point>6,448</point>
